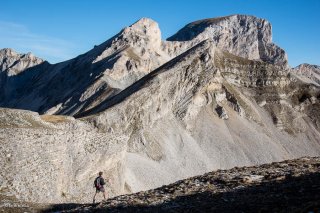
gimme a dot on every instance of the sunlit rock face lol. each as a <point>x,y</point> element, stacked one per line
<point>149,112</point>
<point>308,73</point>
<point>79,84</point>
<point>246,36</point>
<point>13,63</point>
<point>76,85</point>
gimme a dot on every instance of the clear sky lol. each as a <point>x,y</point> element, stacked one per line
<point>57,30</point>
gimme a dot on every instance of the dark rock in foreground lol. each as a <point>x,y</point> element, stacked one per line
<point>288,186</point>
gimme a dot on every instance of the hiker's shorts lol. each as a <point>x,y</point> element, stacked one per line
<point>100,190</point>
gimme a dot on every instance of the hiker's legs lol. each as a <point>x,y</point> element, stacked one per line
<point>105,196</point>
<point>94,197</point>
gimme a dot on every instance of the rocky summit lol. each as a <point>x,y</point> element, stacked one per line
<point>308,73</point>
<point>246,36</point>
<point>81,83</point>
<point>149,112</point>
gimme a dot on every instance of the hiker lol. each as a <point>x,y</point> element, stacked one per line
<point>99,185</point>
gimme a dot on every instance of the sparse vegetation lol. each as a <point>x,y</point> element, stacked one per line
<point>54,118</point>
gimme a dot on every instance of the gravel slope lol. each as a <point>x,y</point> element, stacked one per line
<point>288,186</point>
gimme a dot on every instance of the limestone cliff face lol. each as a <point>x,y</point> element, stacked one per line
<point>246,36</point>
<point>186,93</point>
<point>55,158</point>
<point>17,75</point>
<point>77,85</point>
<point>203,109</point>
<point>81,83</point>
<point>164,127</point>
<point>13,63</point>
<point>308,73</point>
<point>136,50</point>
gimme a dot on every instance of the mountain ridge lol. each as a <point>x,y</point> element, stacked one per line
<point>308,73</point>
<point>112,66</point>
<point>149,112</point>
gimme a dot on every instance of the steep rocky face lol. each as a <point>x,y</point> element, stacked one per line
<point>242,35</point>
<point>77,85</point>
<point>308,73</point>
<point>137,49</point>
<point>54,158</point>
<point>202,110</point>
<point>22,67</point>
<point>186,93</point>
<point>13,63</point>
<point>163,128</point>
<point>81,83</point>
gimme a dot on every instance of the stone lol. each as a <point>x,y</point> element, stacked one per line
<point>246,36</point>
<point>117,63</point>
<point>83,82</point>
<point>221,112</point>
<point>13,63</point>
<point>252,178</point>
<point>307,72</point>
<point>159,133</point>
<point>143,111</point>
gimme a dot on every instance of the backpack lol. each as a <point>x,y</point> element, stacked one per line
<point>97,183</point>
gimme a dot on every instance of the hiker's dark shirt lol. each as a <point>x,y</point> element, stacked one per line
<point>102,181</point>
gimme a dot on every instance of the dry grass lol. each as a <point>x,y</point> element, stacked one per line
<point>54,118</point>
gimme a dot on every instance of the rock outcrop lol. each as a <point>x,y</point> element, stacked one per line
<point>308,73</point>
<point>149,112</point>
<point>77,85</point>
<point>81,83</point>
<point>241,35</point>
<point>13,63</point>
<point>162,128</point>
<point>53,158</point>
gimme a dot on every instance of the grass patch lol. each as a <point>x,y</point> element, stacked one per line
<point>54,118</point>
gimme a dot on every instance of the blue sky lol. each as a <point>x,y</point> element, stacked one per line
<point>57,30</point>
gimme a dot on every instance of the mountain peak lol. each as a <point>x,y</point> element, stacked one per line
<point>144,22</point>
<point>193,29</point>
<point>306,65</point>
<point>14,63</point>
<point>8,52</point>
<point>243,35</point>
<point>144,28</point>
<point>308,73</point>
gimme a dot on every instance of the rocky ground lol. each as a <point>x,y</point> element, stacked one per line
<point>288,186</point>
